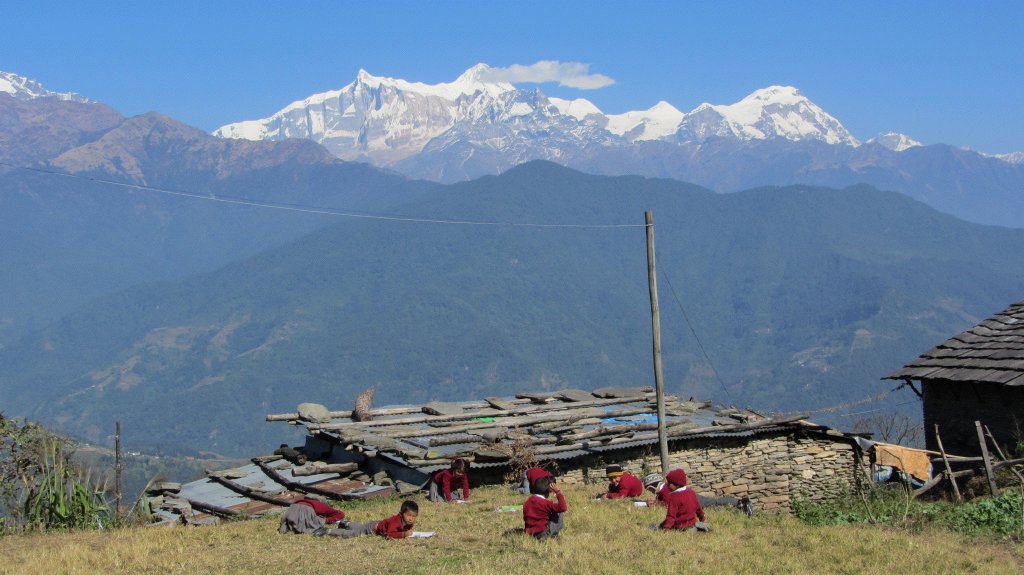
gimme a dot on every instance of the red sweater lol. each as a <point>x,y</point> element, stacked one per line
<point>683,509</point>
<point>324,510</point>
<point>629,486</point>
<point>444,479</point>
<point>393,527</point>
<point>538,510</point>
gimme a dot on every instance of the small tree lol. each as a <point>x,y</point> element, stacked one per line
<point>894,428</point>
<point>40,488</point>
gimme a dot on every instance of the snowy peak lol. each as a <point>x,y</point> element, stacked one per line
<point>1011,158</point>
<point>772,112</point>
<point>895,141</point>
<point>386,121</point>
<point>655,123</point>
<point>578,108</point>
<point>23,88</point>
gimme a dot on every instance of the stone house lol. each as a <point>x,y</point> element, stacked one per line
<point>725,451</point>
<point>377,452</point>
<point>977,375</point>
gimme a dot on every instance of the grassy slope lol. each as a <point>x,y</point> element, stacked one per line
<point>600,537</point>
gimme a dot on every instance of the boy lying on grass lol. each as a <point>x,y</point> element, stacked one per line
<point>394,527</point>
<point>622,484</point>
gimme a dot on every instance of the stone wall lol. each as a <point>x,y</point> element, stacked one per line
<point>771,470</point>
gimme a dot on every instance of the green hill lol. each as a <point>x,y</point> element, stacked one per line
<point>802,297</point>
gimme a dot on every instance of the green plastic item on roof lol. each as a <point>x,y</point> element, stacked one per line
<point>484,419</point>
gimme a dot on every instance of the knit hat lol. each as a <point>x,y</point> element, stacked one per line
<point>653,479</point>
<point>613,470</point>
<point>676,477</point>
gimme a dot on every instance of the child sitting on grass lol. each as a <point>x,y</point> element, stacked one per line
<point>683,508</point>
<point>394,527</point>
<point>441,483</point>
<point>543,518</point>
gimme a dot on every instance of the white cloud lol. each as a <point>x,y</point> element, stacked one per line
<point>571,74</point>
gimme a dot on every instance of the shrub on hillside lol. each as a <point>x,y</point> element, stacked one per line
<point>40,487</point>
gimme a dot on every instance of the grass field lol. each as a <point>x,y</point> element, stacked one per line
<point>600,537</point>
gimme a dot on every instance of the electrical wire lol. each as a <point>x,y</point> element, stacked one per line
<point>695,336</point>
<point>312,209</point>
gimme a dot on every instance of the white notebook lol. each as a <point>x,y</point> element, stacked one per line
<point>422,534</point>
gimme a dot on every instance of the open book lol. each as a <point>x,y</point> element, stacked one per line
<point>422,534</point>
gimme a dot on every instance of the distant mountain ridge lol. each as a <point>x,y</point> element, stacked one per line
<point>386,120</point>
<point>775,136</point>
<point>22,88</point>
<point>70,233</point>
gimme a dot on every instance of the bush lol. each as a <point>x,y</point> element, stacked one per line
<point>1000,516</point>
<point>988,516</point>
<point>40,488</point>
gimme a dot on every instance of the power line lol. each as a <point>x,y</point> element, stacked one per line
<point>210,197</point>
<point>695,336</point>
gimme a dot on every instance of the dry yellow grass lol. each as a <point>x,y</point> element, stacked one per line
<point>600,537</point>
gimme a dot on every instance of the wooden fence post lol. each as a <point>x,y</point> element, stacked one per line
<point>988,462</point>
<point>949,470</point>
<point>117,466</point>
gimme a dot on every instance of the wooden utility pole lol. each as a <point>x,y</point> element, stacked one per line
<point>659,384</point>
<point>117,466</point>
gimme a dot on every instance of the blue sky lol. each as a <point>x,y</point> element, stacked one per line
<point>941,72</point>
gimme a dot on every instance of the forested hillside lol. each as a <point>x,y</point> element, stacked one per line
<point>801,297</point>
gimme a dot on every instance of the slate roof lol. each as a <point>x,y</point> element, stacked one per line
<point>560,424</point>
<point>400,446</point>
<point>990,352</point>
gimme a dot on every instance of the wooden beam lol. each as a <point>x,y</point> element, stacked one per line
<point>213,509</point>
<point>295,485</point>
<point>547,408</point>
<point>945,461</point>
<point>250,493</point>
<point>989,472</point>
<point>347,414</point>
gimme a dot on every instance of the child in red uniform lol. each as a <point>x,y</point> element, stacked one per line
<point>656,484</point>
<point>308,515</point>
<point>622,484</point>
<point>441,483</point>
<point>683,508</point>
<point>530,476</point>
<point>394,527</point>
<point>541,517</point>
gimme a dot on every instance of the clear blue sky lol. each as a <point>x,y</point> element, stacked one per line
<point>941,72</point>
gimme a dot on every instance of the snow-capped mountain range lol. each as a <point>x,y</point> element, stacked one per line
<point>385,120</point>
<point>23,88</point>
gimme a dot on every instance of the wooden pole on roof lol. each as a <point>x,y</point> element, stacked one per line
<point>659,384</point>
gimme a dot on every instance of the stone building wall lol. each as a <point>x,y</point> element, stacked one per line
<point>772,470</point>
